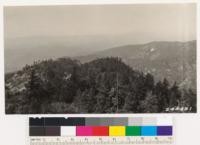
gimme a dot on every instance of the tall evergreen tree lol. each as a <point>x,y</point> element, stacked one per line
<point>149,82</point>
<point>193,100</point>
<point>87,101</point>
<point>175,95</point>
<point>162,92</point>
<point>150,104</point>
<point>131,103</point>
<point>35,93</point>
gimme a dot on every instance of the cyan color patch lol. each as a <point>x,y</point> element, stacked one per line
<point>148,131</point>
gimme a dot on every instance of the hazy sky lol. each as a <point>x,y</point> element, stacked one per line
<point>136,23</point>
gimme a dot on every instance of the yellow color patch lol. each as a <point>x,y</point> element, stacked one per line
<point>116,130</point>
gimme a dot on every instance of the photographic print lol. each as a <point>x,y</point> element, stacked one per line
<point>133,58</point>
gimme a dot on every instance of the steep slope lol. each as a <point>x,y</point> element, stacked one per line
<point>174,60</point>
<point>105,85</point>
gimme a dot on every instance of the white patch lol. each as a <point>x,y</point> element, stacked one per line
<point>152,49</point>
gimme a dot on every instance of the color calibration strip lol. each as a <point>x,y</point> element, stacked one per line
<point>136,140</point>
<point>115,127</point>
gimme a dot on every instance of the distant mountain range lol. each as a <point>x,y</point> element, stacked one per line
<point>175,61</point>
<point>24,50</point>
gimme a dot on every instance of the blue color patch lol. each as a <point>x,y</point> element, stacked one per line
<point>148,131</point>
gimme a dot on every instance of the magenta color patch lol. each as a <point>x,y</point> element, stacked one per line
<point>83,131</point>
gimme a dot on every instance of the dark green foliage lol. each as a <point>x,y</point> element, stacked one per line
<point>105,85</point>
<point>131,103</point>
<point>188,99</point>
<point>149,82</point>
<point>35,93</point>
<point>162,92</point>
<point>192,100</point>
<point>8,101</point>
<point>150,104</point>
<point>174,95</point>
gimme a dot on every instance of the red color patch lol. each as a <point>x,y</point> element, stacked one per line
<point>100,130</point>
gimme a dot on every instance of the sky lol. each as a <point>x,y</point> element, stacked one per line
<point>137,23</point>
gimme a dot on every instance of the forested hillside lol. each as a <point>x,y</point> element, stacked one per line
<point>163,59</point>
<point>104,85</point>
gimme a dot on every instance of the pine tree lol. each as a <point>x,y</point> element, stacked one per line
<point>162,92</point>
<point>34,93</point>
<point>166,92</point>
<point>69,86</point>
<point>149,82</point>
<point>8,100</point>
<point>131,103</point>
<point>7,93</point>
<point>193,100</point>
<point>87,101</point>
<point>175,95</point>
<point>100,106</point>
<point>150,104</point>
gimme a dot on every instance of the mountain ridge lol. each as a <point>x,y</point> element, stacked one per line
<point>157,57</point>
<point>173,60</point>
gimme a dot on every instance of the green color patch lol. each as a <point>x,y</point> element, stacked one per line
<point>133,130</point>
